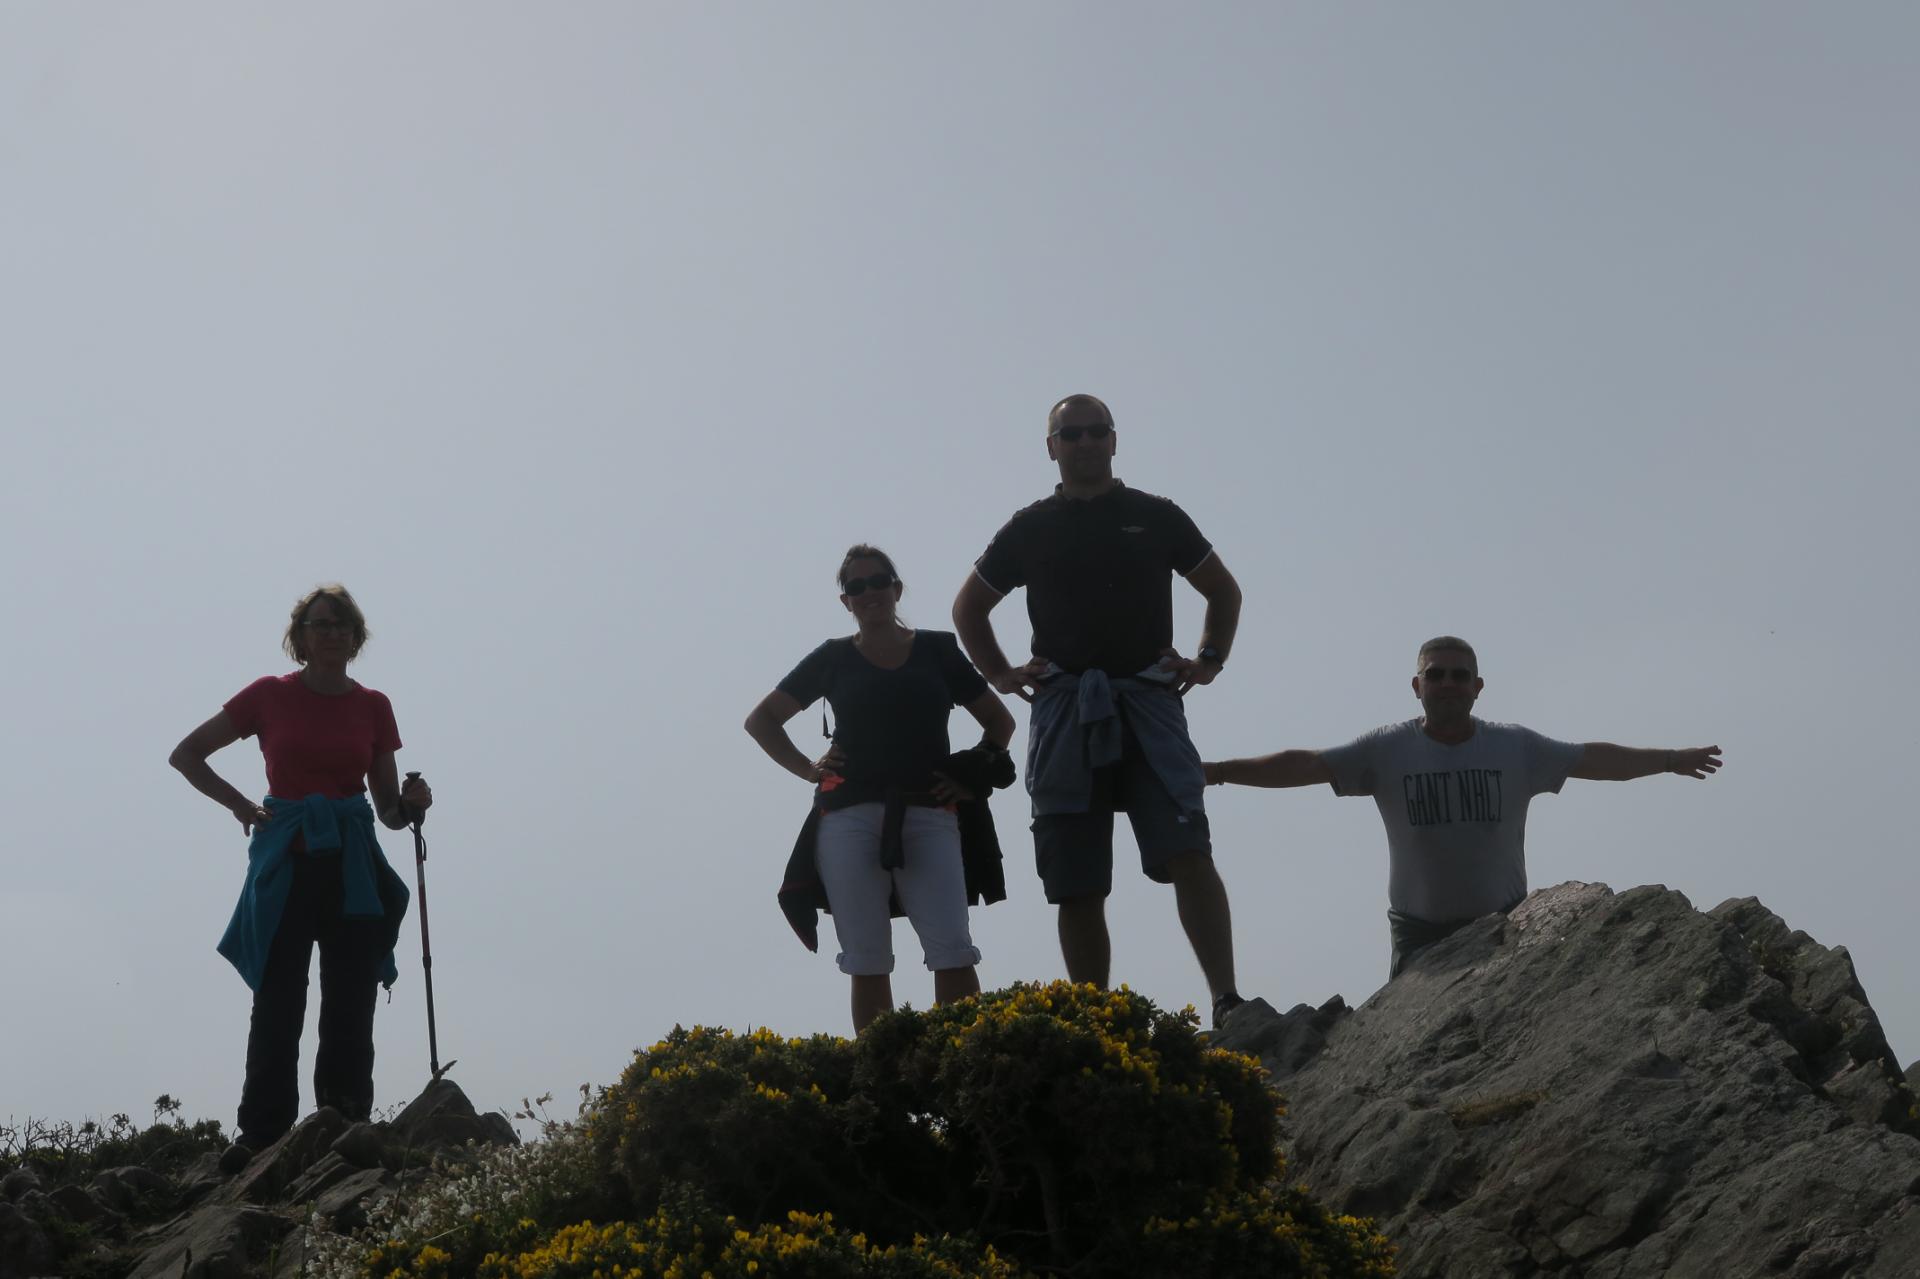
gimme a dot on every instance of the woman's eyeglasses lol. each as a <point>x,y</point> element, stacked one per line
<point>859,585</point>
<point>328,628</point>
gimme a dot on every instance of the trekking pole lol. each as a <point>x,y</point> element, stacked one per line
<point>426,947</point>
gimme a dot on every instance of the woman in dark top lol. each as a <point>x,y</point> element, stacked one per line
<point>891,689</point>
<point>315,871</point>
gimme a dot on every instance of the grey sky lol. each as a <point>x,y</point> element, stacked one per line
<point>579,343</point>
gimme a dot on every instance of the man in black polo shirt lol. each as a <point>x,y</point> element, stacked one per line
<point>1108,729</point>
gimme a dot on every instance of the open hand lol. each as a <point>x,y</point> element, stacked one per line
<point>1694,761</point>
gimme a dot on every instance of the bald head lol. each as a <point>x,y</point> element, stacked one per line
<point>1079,410</point>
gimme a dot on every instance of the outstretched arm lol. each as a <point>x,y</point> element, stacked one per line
<point>1283,768</point>
<point>1605,762</point>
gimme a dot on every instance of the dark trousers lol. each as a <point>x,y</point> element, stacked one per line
<point>350,956</point>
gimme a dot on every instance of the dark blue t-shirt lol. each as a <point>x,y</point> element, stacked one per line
<point>891,725</point>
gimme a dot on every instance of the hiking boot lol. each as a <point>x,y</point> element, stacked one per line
<point>1223,1006</point>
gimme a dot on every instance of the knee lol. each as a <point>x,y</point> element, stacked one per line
<point>1089,907</point>
<point>1192,868</point>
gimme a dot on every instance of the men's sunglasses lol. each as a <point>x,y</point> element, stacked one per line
<point>1072,434</point>
<point>1441,674</point>
<point>859,585</point>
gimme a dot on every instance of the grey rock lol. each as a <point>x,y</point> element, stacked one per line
<point>279,1165</point>
<point>329,1170</point>
<point>76,1204</point>
<point>201,1178</point>
<point>131,1188</point>
<point>1613,1086</point>
<point>346,1202</point>
<point>362,1145</point>
<point>25,1249</point>
<point>441,1097</point>
<point>441,1120</point>
<point>237,1224</point>
<point>231,1241</point>
<point>17,1183</point>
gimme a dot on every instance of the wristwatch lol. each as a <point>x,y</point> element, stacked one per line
<point>1210,654</point>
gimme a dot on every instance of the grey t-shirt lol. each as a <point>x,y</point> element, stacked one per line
<point>1456,815</point>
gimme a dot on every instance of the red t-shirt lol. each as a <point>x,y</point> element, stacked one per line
<point>314,743</point>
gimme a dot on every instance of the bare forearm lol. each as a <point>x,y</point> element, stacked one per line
<point>976,636</point>
<point>201,777</point>
<point>1221,621</point>
<point>772,738</point>
<point>1283,768</point>
<point>1605,762</point>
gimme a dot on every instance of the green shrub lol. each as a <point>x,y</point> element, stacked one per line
<point>1034,1130</point>
<point>1053,1123</point>
<point>64,1153</point>
<point>688,1239</point>
<point>759,1125</point>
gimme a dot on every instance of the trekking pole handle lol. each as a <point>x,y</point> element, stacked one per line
<point>413,817</point>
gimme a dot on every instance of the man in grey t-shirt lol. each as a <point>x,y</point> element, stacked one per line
<point>1453,791</point>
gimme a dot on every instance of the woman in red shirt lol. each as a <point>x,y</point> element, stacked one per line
<point>315,873</point>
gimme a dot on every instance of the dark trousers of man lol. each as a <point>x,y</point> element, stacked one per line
<point>350,960</point>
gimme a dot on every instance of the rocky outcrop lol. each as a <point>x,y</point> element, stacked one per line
<point>328,1168</point>
<point>206,1224</point>
<point>1611,1086</point>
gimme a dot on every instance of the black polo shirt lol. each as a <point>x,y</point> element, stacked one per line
<point>1099,575</point>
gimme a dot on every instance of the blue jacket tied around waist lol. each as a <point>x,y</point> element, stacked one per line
<point>1076,728</point>
<point>340,828</point>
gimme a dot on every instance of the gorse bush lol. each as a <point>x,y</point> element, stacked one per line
<point>687,1239</point>
<point>1034,1130</point>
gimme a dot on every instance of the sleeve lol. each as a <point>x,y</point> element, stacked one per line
<point>1548,761</point>
<point>964,683</point>
<point>1187,547</point>
<point>1355,769</point>
<point>1002,566</point>
<point>248,707</point>
<point>386,733</point>
<point>808,682</point>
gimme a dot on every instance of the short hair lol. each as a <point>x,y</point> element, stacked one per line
<point>1446,642</point>
<point>294,642</point>
<point>1079,402</point>
<point>864,551</point>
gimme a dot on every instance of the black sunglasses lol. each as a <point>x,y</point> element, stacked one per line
<point>859,585</point>
<point>1071,434</point>
<point>1441,674</point>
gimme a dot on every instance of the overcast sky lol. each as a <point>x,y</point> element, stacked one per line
<point>580,341</point>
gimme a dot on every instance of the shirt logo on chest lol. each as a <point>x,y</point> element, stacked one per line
<point>1463,795</point>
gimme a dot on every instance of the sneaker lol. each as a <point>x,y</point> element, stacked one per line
<point>237,1156</point>
<point>1223,1006</point>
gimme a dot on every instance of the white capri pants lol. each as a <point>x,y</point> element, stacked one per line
<point>932,886</point>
